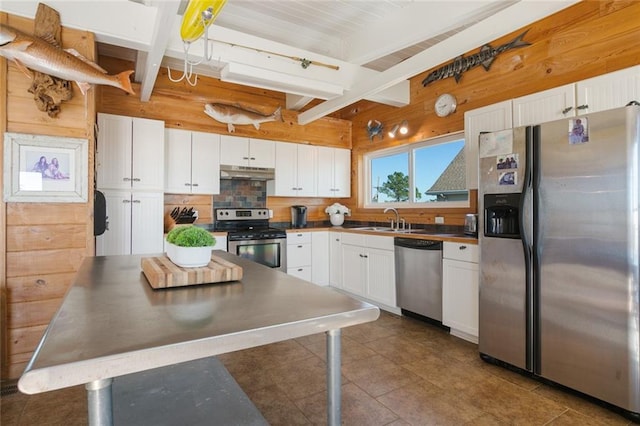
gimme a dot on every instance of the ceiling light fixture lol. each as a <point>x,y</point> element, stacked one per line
<point>403,128</point>
<point>393,131</point>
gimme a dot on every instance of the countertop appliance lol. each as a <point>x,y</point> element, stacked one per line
<point>471,225</point>
<point>250,236</point>
<point>419,277</point>
<point>559,270</point>
<point>298,216</point>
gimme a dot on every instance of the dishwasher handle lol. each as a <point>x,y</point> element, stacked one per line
<point>418,244</point>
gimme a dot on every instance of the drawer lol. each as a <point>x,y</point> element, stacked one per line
<point>298,255</point>
<point>353,239</point>
<point>379,242</point>
<point>460,251</point>
<point>302,272</point>
<point>298,237</point>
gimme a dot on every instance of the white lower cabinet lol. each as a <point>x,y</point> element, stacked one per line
<point>299,255</point>
<point>335,259</point>
<point>320,258</point>
<point>136,223</point>
<point>368,267</point>
<point>460,290</point>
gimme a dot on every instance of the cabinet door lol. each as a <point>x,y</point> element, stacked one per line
<point>335,259</point>
<point>544,106</point>
<point>205,164</point>
<point>326,172</point>
<point>286,182</point>
<point>262,153</point>
<point>460,296</point>
<point>147,154</point>
<point>177,165</point>
<point>234,150</point>
<point>113,154</point>
<point>354,269</point>
<point>117,239</point>
<point>613,90</point>
<point>306,167</point>
<point>342,173</point>
<point>381,276</point>
<point>486,119</point>
<point>320,258</point>
<point>147,222</point>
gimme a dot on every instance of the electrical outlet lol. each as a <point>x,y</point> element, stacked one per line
<point>439,220</point>
<point>270,214</point>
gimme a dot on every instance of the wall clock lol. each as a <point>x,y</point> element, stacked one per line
<point>445,105</point>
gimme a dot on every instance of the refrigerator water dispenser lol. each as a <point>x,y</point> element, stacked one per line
<point>502,213</point>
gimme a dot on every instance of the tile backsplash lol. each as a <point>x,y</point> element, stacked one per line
<point>240,193</point>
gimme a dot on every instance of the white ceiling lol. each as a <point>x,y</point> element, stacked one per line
<point>371,47</point>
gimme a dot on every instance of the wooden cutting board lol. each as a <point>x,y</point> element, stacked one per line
<point>162,273</point>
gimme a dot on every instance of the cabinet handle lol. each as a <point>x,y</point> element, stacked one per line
<point>299,269</point>
<point>126,201</point>
<point>187,184</point>
<point>338,239</point>
<point>126,179</point>
<point>566,110</point>
<point>136,201</point>
<point>298,235</point>
<point>299,246</point>
<point>365,256</point>
<point>462,248</point>
<point>252,158</point>
<point>245,158</point>
<point>582,107</point>
<point>194,184</point>
<point>136,179</point>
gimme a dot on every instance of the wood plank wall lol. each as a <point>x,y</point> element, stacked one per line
<point>44,242</point>
<point>585,40</point>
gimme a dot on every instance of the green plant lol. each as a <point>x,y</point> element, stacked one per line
<point>190,236</point>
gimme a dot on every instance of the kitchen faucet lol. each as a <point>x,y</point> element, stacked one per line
<point>397,217</point>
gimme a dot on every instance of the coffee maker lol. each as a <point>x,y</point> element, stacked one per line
<point>298,216</point>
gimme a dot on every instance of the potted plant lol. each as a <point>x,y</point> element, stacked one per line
<point>336,213</point>
<point>190,246</point>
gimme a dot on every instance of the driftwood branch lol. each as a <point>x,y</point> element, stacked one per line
<point>49,92</point>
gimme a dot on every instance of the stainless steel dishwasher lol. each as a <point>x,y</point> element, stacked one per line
<point>419,277</point>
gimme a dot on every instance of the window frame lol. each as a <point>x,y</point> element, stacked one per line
<point>366,185</point>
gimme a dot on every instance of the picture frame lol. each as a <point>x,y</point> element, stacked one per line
<point>45,169</point>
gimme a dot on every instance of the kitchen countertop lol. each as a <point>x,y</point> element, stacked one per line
<point>112,323</point>
<point>437,236</point>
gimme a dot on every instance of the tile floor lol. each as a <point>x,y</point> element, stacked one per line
<point>395,371</point>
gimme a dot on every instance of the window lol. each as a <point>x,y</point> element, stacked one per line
<point>423,174</point>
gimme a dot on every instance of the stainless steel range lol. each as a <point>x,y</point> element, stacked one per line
<point>250,236</point>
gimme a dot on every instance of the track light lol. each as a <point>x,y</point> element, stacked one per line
<point>402,127</point>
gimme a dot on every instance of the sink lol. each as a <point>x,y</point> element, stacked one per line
<point>381,229</point>
<point>439,234</point>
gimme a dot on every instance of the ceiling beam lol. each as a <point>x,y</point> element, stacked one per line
<point>166,16</point>
<point>508,20</point>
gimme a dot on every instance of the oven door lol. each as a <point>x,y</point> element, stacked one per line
<point>271,252</point>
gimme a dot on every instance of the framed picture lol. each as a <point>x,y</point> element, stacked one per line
<point>45,169</point>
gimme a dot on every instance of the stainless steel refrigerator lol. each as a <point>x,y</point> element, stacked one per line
<point>559,252</point>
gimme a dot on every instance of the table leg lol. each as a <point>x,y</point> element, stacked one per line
<point>334,392</point>
<point>99,402</point>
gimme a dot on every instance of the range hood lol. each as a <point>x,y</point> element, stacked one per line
<point>244,172</point>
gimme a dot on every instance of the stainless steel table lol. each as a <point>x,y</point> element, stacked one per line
<point>112,323</point>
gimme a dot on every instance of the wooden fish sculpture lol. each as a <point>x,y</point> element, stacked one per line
<point>233,114</point>
<point>374,128</point>
<point>29,52</point>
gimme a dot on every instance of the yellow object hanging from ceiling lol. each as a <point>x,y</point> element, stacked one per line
<point>197,18</point>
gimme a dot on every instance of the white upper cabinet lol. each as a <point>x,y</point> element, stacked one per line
<point>486,119</point>
<point>334,172</point>
<point>130,153</point>
<point>613,90</point>
<point>239,151</point>
<point>548,105</point>
<point>295,171</point>
<point>192,165</point>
